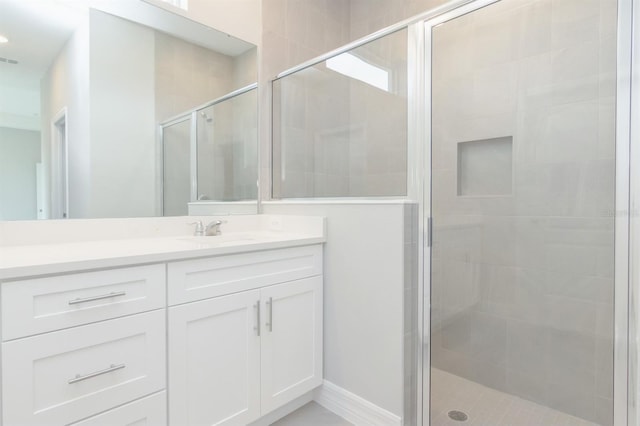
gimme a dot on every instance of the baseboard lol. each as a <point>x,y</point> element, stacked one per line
<point>353,408</point>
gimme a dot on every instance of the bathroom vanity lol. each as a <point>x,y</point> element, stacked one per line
<point>162,329</point>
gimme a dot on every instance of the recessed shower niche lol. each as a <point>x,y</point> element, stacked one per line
<point>485,167</point>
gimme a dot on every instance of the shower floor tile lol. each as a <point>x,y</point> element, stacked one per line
<point>489,407</point>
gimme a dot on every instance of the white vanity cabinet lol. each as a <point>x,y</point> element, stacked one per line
<point>221,339</point>
<point>237,357</point>
<point>76,345</point>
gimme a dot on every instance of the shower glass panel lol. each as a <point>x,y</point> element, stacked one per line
<point>227,143</point>
<point>176,174</point>
<point>340,126</point>
<point>522,202</point>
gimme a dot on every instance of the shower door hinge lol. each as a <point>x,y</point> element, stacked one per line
<point>429,227</point>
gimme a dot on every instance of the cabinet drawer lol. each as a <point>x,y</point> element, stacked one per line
<point>65,376</point>
<point>45,304</point>
<point>198,279</point>
<point>151,410</point>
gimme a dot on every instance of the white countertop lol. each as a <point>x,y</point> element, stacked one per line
<point>21,261</point>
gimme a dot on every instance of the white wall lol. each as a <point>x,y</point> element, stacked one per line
<point>363,296</point>
<point>66,84</point>
<point>17,106</point>
<point>122,88</point>
<point>19,153</point>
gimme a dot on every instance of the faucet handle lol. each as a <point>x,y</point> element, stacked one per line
<point>213,228</point>
<point>199,231</point>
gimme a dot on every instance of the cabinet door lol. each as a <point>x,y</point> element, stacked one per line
<point>291,361</point>
<point>214,361</point>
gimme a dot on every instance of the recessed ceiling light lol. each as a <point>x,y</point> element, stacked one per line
<point>3,39</point>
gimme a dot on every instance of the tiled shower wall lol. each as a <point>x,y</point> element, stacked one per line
<point>368,16</point>
<point>522,282</point>
<point>294,31</point>
<point>337,136</point>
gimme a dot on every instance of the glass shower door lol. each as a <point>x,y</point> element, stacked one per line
<point>523,108</point>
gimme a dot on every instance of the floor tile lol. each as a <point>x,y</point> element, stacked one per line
<point>312,414</point>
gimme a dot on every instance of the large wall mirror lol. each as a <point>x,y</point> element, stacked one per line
<point>123,108</point>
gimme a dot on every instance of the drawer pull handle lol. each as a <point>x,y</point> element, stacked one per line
<point>270,322</point>
<point>92,298</point>
<point>80,378</point>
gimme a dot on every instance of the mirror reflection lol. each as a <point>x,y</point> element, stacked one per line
<point>222,138</point>
<point>102,116</point>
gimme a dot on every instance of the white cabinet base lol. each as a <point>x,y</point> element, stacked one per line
<point>90,348</point>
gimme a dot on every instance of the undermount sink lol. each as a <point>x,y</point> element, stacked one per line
<point>219,240</point>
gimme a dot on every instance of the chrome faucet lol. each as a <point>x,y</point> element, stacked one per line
<point>213,228</point>
<point>199,231</point>
<point>210,230</point>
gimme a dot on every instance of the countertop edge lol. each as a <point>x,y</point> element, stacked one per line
<point>63,267</point>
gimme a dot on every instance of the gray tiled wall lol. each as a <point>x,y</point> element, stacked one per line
<point>522,289</point>
<point>337,136</point>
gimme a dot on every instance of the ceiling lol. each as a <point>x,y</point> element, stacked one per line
<point>37,30</point>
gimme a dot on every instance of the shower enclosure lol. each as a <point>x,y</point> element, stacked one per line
<point>517,148</point>
<point>227,149</point>
<point>210,153</point>
<point>522,202</point>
